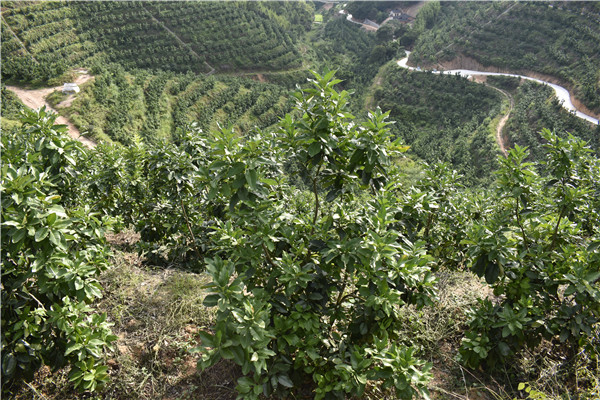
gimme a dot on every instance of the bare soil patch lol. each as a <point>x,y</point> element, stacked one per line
<point>36,98</point>
<point>260,78</point>
<point>414,8</point>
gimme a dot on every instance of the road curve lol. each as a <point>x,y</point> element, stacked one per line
<point>561,93</point>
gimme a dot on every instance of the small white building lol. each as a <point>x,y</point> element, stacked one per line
<point>70,88</point>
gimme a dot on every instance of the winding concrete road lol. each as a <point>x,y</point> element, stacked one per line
<point>561,93</point>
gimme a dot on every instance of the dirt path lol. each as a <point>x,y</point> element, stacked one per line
<point>36,98</point>
<point>499,136</point>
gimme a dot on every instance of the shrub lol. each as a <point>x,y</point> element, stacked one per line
<point>51,255</point>
<point>312,299</point>
<point>538,248</point>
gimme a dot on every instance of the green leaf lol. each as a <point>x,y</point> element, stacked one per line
<point>357,157</point>
<point>226,353</point>
<point>285,381</point>
<point>91,291</point>
<point>236,169</point>
<point>18,235</point>
<point>251,178</point>
<point>51,219</point>
<point>592,276</point>
<point>479,266</point>
<point>504,349</point>
<point>238,355</point>
<point>211,300</point>
<point>314,149</point>
<point>73,348</point>
<point>570,290</point>
<point>75,375</point>
<point>267,181</point>
<point>96,342</point>
<point>233,201</point>
<point>244,385</point>
<point>239,182</point>
<point>492,272</point>
<point>9,364</point>
<point>206,338</point>
<point>217,165</point>
<point>78,283</point>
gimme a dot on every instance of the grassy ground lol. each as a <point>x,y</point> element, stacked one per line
<point>156,315</point>
<point>158,312</point>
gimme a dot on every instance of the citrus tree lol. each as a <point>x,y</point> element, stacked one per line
<point>308,285</point>
<point>52,251</point>
<point>538,247</point>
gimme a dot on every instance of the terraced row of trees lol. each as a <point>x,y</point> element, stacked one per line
<point>560,39</point>
<point>252,40</point>
<point>443,118</point>
<point>120,105</point>
<point>42,40</point>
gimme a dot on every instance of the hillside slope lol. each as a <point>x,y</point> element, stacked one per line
<point>118,104</point>
<point>560,39</point>
<point>42,40</point>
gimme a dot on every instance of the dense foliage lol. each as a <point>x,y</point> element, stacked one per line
<point>321,238</point>
<point>538,246</point>
<point>119,105</point>
<point>41,41</point>
<point>443,118</point>
<point>11,106</point>
<point>315,247</point>
<point>560,39</point>
<point>318,287</point>
<point>52,252</point>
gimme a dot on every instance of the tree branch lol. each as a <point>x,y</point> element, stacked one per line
<point>187,222</point>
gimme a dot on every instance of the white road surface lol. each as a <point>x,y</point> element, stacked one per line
<point>562,94</point>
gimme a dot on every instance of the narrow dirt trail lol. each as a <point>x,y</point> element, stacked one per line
<point>36,98</point>
<point>499,137</point>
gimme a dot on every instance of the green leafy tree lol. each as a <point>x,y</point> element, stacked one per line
<point>538,248</point>
<point>52,252</point>
<point>309,296</point>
